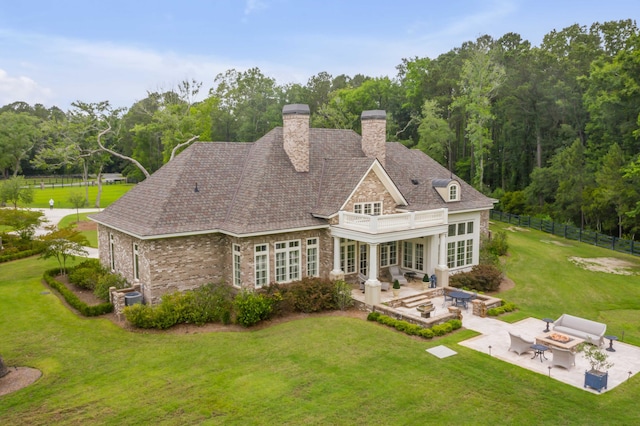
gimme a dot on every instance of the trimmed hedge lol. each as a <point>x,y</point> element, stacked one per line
<point>506,307</point>
<point>20,255</point>
<point>72,299</point>
<point>414,329</point>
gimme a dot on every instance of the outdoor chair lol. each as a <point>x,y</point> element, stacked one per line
<point>362,279</point>
<point>563,358</point>
<point>397,275</point>
<point>447,299</point>
<point>519,344</point>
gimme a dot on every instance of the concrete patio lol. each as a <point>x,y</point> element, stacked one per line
<point>494,340</point>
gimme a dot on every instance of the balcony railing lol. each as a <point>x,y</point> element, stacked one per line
<point>392,222</point>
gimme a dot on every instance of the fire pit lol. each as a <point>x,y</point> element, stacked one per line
<point>559,337</point>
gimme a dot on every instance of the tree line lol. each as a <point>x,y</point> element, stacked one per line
<point>550,130</point>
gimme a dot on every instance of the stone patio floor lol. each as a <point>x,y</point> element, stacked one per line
<point>494,334</point>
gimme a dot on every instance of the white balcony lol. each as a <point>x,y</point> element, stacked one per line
<point>392,222</point>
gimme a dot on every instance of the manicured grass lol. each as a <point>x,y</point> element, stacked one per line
<point>92,236</point>
<point>60,195</point>
<point>548,284</point>
<point>319,370</point>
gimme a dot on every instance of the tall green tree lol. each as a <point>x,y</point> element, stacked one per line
<point>435,135</point>
<point>480,79</point>
<point>15,190</point>
<point>19,133</point>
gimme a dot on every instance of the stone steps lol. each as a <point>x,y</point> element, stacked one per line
<point>413,301</point>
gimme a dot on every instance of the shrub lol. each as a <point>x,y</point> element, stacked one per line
<point>72,299</point>
<point>498,245</point>
<point>414,329</point>
<point>212,303</point>
<point>87,274</point>
<point>396,284</point>
<point>101,290</point>
<point>342,295</point>
<point>483,278</point>
<point>504,308</point>
<point>373,316</point>
<point>141,316</point>
<point>251,308</point>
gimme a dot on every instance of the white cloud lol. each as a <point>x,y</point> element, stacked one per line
<point>252,6</point>
<point>21,88</point>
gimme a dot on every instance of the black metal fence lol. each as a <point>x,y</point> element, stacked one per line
<point>570,232</point>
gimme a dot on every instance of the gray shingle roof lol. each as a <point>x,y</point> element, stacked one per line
<point>248,188</point>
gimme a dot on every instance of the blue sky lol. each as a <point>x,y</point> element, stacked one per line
<point>56,52</point>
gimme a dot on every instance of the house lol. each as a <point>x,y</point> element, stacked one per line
<point>298,202</point>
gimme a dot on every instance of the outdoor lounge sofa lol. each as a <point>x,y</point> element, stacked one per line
<point>397,275</point>
<point>519,344</point>
<point>591,331</point>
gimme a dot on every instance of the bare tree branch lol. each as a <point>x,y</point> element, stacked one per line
<point>124,157</point>
<point>173,152</point>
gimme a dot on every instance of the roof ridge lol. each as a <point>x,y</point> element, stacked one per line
<point>238,184</point>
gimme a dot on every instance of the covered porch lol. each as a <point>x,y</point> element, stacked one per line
<point>367,246</point>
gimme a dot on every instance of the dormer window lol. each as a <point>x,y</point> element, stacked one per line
<point>448,189</point>
<point>371,209</point>
<point>453,192</point>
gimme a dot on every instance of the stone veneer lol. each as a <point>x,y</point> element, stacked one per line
<point>184,263</point>
<point>372,189</point>
<point>295,134</point>
<point>374,134</point>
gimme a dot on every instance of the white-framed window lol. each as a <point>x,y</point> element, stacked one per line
<point>112,250</point>
<point>364,256</point>
<point>407,254</point>
<point>237,262</point>
<point>287,258</point>
<point>388,254</point>
<point>312,257</point>
<point>347,256</point>
<point>136,262</point>
<point>454,193</point>
<point>261,264</point>
<point>372,209</point>
<point>459,244</point>
<point>451,255</point>
<point>413,255</point>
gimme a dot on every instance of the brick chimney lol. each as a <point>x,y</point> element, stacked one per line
<point>295,122</point>
<point>374,134</point>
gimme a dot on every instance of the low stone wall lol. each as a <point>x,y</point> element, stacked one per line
<point>116,296</point>
<point>399,315</point>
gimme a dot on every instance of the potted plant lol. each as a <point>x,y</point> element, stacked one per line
<point>597,377</point>
<point>426,283</point>
<point>396,288</point>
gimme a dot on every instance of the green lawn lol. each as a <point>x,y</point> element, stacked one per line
<point>92,236</point>
<point>315,371</point>
<point>60,195</point>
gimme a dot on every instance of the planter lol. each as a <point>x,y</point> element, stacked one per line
<point>596,379</point>
<point>396,292</point>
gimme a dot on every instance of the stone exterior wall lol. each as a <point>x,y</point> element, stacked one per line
<point>186,263</point>
<point>247,274</point>
<point>296,140</point>
<point>372,189</point>
<point>374,138</point>
<point>484,222</point>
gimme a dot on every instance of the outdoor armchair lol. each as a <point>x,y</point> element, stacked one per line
<point>563,358</point>
<point>519,344</point>
<point>397,275</point>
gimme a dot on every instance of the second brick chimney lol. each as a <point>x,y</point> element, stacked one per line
<point>374,134</point>
<point>295,124</point>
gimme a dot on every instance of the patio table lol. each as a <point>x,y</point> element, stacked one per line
<point>460,298</point>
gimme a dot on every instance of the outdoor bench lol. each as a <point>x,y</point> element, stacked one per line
<point>591,331</point>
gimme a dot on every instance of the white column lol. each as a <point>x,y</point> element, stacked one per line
<point>372,286</point>
<point>336,273</point>
<point>442,271</point>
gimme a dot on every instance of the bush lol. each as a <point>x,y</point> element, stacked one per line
<point>307,295</point>
<point>414,329</point>
<point>101,290</point>
<point>251,308</point>
<point>87,274</point>
<point>72,299</point>
<point>482,278</point>
<point>498,245</point>
<point>504,308</point>
<point>342,295</point>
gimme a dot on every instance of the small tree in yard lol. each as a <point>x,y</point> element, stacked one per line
<point>24,222</point>
<point>16,190</point>
<point>63,244</point>
<point>77,200</point>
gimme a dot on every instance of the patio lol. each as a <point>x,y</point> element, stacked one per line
<point>494,341</point>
